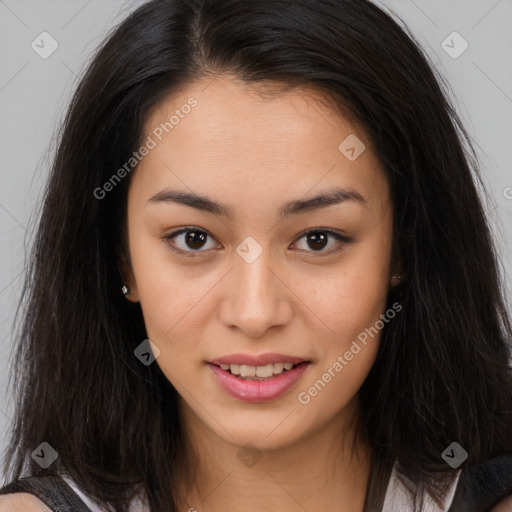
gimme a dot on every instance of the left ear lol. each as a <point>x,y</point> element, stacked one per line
<point>396,278</point>
<point>397,274</point>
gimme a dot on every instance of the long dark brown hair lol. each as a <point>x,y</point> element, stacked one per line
<point>442,372</point>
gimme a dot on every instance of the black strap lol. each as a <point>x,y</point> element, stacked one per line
<point>482,486</point>
<point>53,491</point>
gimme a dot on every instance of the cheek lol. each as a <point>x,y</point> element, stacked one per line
<point>164,292</point>
<point>351,297</point>
<point>350,305</point>
<point>336,381</point>
<point>347,351</point>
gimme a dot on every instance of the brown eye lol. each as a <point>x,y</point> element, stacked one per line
<point>195,239</point>
<point>191,239</point>
<point>318,239</point>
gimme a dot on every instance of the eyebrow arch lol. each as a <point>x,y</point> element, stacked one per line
<point>294,207</point>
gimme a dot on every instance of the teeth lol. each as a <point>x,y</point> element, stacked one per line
<point>247,371</point>
<point>278,368</point>
<point>266,371</point>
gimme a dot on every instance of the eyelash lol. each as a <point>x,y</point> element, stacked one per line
<point>188,254</point>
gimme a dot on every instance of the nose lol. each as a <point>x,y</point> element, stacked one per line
<point>257,297</point>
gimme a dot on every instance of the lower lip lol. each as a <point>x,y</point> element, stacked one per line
<point>258,390</point>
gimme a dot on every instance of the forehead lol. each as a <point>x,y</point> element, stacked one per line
<point>239,137</point>
<point>228,110</point>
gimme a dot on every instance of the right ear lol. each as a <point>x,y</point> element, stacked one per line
<point>128,278</point>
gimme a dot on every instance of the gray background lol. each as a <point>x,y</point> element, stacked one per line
<point>34,93</point>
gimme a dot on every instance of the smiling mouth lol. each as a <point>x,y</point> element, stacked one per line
<point>265,372</point>
<point>262,383</point>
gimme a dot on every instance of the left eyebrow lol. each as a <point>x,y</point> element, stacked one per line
<point>294,207</point>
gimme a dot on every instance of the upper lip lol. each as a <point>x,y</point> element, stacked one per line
<point>261,360</point>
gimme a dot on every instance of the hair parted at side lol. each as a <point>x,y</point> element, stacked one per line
<point>442,372</point>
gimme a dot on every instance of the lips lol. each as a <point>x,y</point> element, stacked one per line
<point>261,360</point>
<point>258,378</point>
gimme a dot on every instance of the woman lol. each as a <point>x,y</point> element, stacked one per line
<point>263,277</point>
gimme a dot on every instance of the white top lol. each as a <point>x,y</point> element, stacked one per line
<point>397,498</point>
<point>135,506</point>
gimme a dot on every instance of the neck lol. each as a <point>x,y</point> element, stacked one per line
<point>327,470</point>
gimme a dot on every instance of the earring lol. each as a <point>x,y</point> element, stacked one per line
<point>125,290</point>
<point>396,278</point>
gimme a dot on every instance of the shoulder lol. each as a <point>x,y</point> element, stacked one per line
<point>21,502</point>
<point>503,506</point>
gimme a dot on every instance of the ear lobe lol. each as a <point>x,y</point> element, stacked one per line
<point>129,285</point>
<point>397,274</point>
<point>397,278</point>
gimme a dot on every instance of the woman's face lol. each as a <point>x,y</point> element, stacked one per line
<point>262,279</point>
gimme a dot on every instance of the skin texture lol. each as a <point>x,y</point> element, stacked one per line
<point>503,506</point>
<point>22,502</point>
<point>296,299</point>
